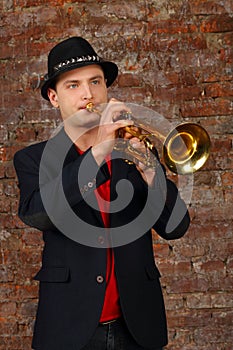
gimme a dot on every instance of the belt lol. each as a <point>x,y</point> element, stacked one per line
<point>108,322</point>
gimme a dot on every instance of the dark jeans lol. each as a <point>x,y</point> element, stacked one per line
<point>113,336</point>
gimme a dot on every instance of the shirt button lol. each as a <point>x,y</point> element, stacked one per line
<point>100,279</point>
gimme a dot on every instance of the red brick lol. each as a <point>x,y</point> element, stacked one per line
<point>207,108</point>
<point>216,230</point>
<point>220,23</point>
<point>10,188</point>
<point>7,291</point>
<point>11,221</point>
<point>214,214</point>
<point>8,326</point>
<point>28,308</point>
<point>27,274</point>
<point>44,132</point>
<point>10,242</point>
<point>3,134</point>
<point>7,308</point>
<point>26,292</point>
<point>9,170</point>
<point>219,89</point>
<point>218,161</point>
<point>7,152</point>
<point>174,302</point>
<point>25,134</point>
<point>189,319</point>
<point>32,237</point>
<point>169,267</point>
<point>186,285</point>
<point>13,342</point>
<point>214,335</point>
<point>200,7</point>
<point>5,205</point>
<point>211,267</point>
<point>128,80</point>
<point>30,256</point>
<point>161,250</point>
<point>171,26</point>
<point>199,301</point>
<point>227,179</point>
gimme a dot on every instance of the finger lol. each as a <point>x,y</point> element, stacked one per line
<point>122,124</point>
<point>136,143</point>
<point>113,111</point>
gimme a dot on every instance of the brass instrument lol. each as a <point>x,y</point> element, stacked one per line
<point>185,149</point>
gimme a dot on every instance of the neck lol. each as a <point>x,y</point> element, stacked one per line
<point>82,137</point>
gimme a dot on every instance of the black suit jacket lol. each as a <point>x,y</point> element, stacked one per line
<point>72,276</point>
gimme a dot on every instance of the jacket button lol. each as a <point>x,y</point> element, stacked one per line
<point>100,279</point>
<point>101,240</point>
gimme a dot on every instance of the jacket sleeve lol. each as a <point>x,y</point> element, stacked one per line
<point>173,219</point>
<point>44,187</point>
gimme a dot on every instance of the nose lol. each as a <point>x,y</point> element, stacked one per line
<point>87,93</point>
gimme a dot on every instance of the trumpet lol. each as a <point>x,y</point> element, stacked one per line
<point>185,148</point>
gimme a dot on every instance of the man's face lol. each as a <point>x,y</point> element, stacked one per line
<point>76,88</point>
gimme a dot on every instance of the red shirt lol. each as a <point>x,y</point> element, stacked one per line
<point>111,308</point>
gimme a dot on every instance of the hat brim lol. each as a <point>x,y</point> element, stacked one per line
<point>110,70</point>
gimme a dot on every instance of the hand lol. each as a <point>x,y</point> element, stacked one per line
<point>106,134</point>
<point>147,173</point>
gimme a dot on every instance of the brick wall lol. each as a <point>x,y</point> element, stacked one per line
<point>176,57</point>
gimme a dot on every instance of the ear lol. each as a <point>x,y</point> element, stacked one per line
<point>52,95</point>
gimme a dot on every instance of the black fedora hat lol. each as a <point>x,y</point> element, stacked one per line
<point>73,53</point>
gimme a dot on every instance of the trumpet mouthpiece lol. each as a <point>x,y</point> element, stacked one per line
<point>90,106</point>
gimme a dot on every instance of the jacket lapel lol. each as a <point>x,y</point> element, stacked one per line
<point>60,151</point>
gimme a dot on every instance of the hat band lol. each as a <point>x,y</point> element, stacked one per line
<point>73,60</point>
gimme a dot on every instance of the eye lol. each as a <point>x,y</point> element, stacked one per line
<point>73,86</point>
<point>95,82</point>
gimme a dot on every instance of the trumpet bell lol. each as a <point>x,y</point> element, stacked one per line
<point>186,148</point>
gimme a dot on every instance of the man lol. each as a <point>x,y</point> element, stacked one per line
<point>99,285</point>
